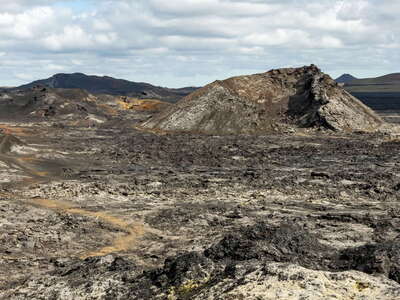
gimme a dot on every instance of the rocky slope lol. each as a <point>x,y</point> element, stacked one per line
<point>44,102</point>
<point>277,101</point>
<point>110,86</point>
<point>71,105</point>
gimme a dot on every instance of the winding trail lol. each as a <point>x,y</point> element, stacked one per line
<point>123,243</point>
<point>132,231</point>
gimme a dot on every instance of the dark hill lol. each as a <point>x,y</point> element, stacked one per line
<point>110,86</point>
<point>394,77</point>
<point>381,94</point>
<point>345,78</point>
<point>43,102</point>
<point>276,101</point>
<point>387,84</point>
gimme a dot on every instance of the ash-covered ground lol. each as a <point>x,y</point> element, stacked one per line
<point>111,212</point>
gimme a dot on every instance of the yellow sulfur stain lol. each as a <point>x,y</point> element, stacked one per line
<point>28,159</point>
<point>140,104</point>
<point>41,174</point>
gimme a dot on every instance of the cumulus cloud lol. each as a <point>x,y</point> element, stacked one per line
<point>192,42</point>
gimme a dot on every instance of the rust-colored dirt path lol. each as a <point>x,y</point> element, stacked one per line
<point>132,231</point>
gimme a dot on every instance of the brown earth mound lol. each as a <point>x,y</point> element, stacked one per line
<point>71,105</point>
<point>276,101</point>
<point>47,103</point>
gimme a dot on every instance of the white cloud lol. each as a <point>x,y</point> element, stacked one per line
<point>101,25</point>
<point>188,42</point>
<point>210,7</point>
<point>72,36</point>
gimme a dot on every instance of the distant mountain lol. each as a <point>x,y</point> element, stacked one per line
<point>385,84</point>
<point>382,94</point>
<point>110,86</point>
<point>345,78</point>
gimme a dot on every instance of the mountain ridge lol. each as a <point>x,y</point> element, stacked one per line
<point>108,85</point>
<point>388,79</point>
<point>345,78</point>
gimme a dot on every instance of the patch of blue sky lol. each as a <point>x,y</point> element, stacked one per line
<point>76,5</point>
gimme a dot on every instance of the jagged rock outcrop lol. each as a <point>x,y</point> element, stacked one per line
<point>255,262</point>
<point>276,101</point>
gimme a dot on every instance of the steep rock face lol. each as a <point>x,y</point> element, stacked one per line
<point>276,101</point>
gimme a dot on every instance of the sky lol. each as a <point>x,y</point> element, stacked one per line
<point>178,43</point>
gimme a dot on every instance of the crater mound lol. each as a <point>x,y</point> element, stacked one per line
<point>48,103</point>
<point>280,101</point>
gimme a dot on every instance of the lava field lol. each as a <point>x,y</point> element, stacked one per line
<point>94,206</point>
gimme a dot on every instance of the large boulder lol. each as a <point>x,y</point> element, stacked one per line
<point>276,101</point>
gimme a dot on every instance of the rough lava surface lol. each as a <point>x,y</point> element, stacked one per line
<point>280,100</point>
<point>104,210</point>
